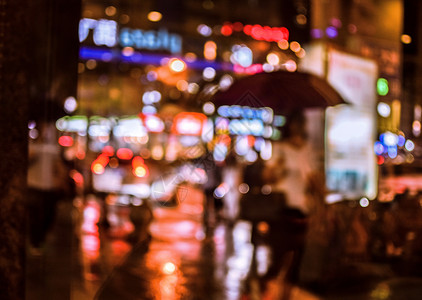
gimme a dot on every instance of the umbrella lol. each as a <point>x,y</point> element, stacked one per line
<point>283,91</point>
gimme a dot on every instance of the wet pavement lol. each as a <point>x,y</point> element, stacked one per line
<point>172,257</point>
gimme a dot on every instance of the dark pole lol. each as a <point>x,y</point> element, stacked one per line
<point>38,70</point>
<point>14,95</point>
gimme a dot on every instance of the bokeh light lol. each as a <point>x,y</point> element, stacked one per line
<point>383,109</point>
<point>70,105</point>
<point>110,11</point>
<point>273,59</point>
<point>283,44</point>
<point>295,46</point>
<point>177,65</point>
<point>154,16</point>
<point>406,39</point>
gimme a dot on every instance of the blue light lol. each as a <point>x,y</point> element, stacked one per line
<point>401,141</point>
<point>331,32</point>
<point>317,33</point>
<point>143,58</point>
<point>392,151</point>
<point>379,148</point>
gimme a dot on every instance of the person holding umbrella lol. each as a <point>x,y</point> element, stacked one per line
<point>291,172</point>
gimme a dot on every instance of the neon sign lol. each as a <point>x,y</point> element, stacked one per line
<point>106,33</point>
<point>258,32</point>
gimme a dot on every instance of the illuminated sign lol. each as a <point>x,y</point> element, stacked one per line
<point>265,114</point>
<point>106,33</point>
<point>258,32</point>
<point>188,123</point>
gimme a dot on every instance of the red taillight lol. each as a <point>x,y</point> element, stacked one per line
<point>66,141</point>
<point>108,150</point>
<point>124,153</point>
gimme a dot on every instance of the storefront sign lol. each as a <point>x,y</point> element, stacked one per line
<point>350,129</point>
<point>106,33</point>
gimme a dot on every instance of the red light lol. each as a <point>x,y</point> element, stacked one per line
<point>226,30</point>
<point>124,153</point>
<point>80,154</point>
<point>381,160</point>
<point>257,32</point>
<point>66,141</point>
<point>102,159</point>
<point>237,26</point>
<point>108,150</point>
<point>137,161</point>
<point>247,29</point>
<point>77,177</point>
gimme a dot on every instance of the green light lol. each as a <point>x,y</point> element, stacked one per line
<point>382,86</point>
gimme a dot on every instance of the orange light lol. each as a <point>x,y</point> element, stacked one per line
<point>139,167</point>
<point>137,161</point>
<point>188,123</point>
<point>124,153</point>
<point>140,171</point>
<point>97,168</point>
<point>66,141</point>
<point>154,16</point>
<point>169,268</point>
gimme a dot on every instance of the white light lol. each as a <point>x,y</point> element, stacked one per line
<point>364,202</point>
<point>383,109</point>
<point>268,68</point>
<point>243,188</point>
<point>151,97</point>
<point>204,30</point>
<point>33,124</point>
<point>70,105</point>
<point>208,73</point>
<point>154,124</point>
<point>33,133</point>
<point>266,151</point>
<point>98,130</point>
<point>147,98</point>
<point>252,156</point>
<point>207,134</point>
<point>242,55</point>
<point>149,109</point>
<point>105,33</point>
<point>177,65</point>
<point>225,82</point>
<point>273,59</point>
<point>409,145</point>
<point>193,88</point>
<point>390,139</point>
<point>290,66</point>
<point>208,108</point>
<point>220,152</point>
<point>156,96</point>
<point>241,145</point>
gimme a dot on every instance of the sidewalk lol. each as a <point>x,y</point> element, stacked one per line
<point>179,262</point>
